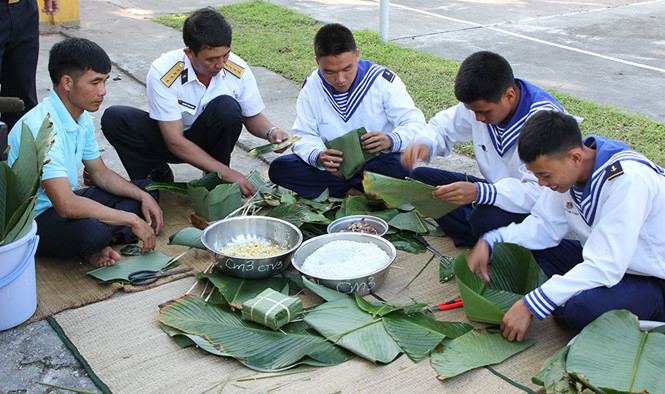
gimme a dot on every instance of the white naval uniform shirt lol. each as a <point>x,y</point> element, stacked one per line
<point>186,98</point>
<point>511,186</point>
<point>386,106</point>
<point>625,236</point>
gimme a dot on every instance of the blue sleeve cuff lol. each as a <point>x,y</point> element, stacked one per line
<point>313,156</point>
<point>486,193</point>
<point>539,304</point>
<point>396,140</point>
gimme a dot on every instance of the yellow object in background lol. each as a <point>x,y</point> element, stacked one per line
<point>69,13</point>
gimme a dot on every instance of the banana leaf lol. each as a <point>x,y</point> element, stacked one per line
<point>409,221</point>
<point>418,334</point>
<point>152,261</point>
<point>472,350</point>
<point>514,273</point>
<point>20,183</point>
<point>322,291</point>
<point>175,187</point>
<point>446,269</point>
<point>292,213</point>
<point>345,324</point>
<point>189,236</point>
<point>236,291</point>
<point>263,149</point>
<point>259,347</point>
<point>352,205</point>
<point>634,361</point>
<point>214,198</point>
<point>406,191</point>
<point>381,308</point>
<point>553,374</point>
<point>131,250</point>
<point>404,241</point>
<point>353,154</point>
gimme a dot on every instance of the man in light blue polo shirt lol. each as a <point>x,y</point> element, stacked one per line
<point>83,222</point>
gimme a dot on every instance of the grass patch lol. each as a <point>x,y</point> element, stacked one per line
<point>280,39</point>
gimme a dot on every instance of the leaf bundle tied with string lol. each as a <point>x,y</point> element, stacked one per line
<point>271,309</point>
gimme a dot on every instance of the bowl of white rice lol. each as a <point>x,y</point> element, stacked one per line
<point>347,262</point>
<point>252,247</point>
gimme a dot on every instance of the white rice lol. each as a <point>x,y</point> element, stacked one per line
<point>345,260</point>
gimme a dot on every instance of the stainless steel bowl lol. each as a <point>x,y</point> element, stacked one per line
<point>341,224</point>
<point>362,285</point>
<point>237,230</point>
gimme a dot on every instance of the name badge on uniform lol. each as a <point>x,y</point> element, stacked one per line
<point>186,104</point>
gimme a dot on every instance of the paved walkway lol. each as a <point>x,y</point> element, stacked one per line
<point>608,51</point>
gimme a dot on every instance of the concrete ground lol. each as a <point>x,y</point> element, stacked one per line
<point>608,51</point>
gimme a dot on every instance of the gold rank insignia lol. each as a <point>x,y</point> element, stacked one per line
<point>234,69</point>
<point>613,170</point>
<point>173,74</point>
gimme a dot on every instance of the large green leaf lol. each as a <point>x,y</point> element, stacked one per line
<point>175,187</point>
<point>404,241</point>
<point>553,375</point>
<point>381,308</point>
<point>446,269</point>
<point>409,221</point>
<point>418,333</point>
<point>20,222</point>
<point>189,236</point>
<point>472,350</point>
<point>259,347</point>
<point>322,291</point>
<point>402,191</point>
<point>263,149</point>
<point>152,261</point>
<point>236,291</point>
<point>352,205</point>
<point>26,166</point>
<point>353,154</point>
<point>292,213</point>
<point>612,352</point>
<point>514,273</point>
<point>344,323</point>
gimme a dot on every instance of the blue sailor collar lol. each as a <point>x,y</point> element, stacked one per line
<point>504,137</point>
<point>609,154</point>
<point>367,73</point>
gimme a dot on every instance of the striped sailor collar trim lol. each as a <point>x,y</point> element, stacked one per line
<point>367,73</point>
<point>607,152</point>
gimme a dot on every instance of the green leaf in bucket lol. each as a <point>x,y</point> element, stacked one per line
<point>402,191</point>
<point>353,153</point>
<point>263,149</point>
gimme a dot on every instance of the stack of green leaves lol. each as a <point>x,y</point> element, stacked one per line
<point>272,309</point>
<point>407,191</point>
<point>610,355</point>
<point>353,153</point>
<point>19,183</point>
<point>119,272</point>
<point>514,273</point>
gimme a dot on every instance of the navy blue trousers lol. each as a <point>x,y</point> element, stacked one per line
<point>141,147</point>
<point>19,50</point>
<point>466,224</point>
<point>293,173</point>
<point>644,296</point>
<point>60,237</point>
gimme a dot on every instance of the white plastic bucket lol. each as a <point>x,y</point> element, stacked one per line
<point>12,255</point>
<point>18,292</point>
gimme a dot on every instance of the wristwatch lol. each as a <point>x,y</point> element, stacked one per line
<point>270,132</point>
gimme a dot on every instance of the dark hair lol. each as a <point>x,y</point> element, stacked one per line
<point>74,57</point>
<point>333,39</point>
<point>483,76</point>
<point>206,27</point>
<point>551,133</point>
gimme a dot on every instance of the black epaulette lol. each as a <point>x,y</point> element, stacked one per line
<point>184,77</point>
<point>613,170</point>
<point>388,75</point>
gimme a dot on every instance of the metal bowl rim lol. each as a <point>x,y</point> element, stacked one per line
<point>353,234</point>
<point>351,217</point>
<point>259,218</point>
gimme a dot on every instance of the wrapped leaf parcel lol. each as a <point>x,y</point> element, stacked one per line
<point>514,274</point>
<point>397,192</point>
<point>354,154</point>
<point>263,149</point>
<point>271,309</point>
<point>635,361</point>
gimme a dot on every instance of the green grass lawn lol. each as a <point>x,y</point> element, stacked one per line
<point>280,39</point>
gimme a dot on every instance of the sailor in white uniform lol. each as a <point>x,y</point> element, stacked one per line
<point>346,93</point>
<point>493,107</point>
<point>613,198</point>
<point>198,100</point>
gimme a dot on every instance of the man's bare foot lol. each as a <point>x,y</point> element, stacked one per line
<point>103,258</point>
